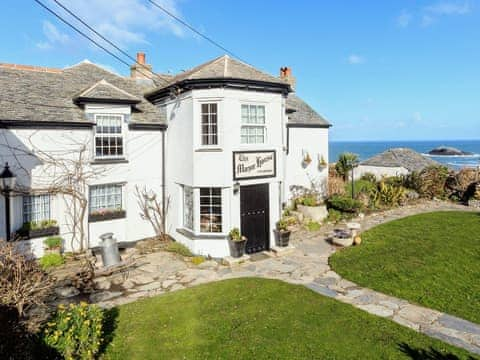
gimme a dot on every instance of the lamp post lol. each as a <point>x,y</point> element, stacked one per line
<point>7,183</point>
<point>353,165</point>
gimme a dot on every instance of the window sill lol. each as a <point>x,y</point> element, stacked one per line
<point>109,161</point>
<point>108,216</point>
<point>195,236</point>
<point>209,149</point>
<point>37,233</point>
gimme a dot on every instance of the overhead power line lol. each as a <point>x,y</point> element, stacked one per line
<point>102,37</point>
<point>90,38</point>
<point>184,23</point>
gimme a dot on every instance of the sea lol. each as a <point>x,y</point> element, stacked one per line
<point>367,149</point>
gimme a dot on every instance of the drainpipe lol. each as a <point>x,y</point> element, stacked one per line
<point>164,195</point>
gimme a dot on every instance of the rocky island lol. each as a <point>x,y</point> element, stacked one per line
<point>448,151</point>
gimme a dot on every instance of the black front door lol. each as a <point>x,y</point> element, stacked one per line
<point>255,216</point>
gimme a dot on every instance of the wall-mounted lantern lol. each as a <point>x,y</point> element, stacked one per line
<point>236,187</point>
<point>7,185</point>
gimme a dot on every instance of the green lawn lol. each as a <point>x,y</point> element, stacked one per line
<point>261,319</point>
<point>431,259</point>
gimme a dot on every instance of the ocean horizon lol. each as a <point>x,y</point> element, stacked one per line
<point>367,149</point>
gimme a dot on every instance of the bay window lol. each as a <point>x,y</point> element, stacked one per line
<point>109,136</point>
<point>253,124</point>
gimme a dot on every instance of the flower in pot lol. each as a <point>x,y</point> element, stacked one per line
<point>322,164</point>
<point>238,243</point>
<point>307,159</point>
<point>282,233</point>
<point>53,244</point>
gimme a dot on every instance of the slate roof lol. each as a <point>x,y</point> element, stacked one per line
<point>48,95</point>
<point>300,113</point>
<point>224,67</point>
<point>400,157</point>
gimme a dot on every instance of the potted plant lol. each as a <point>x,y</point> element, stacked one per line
<point>53,244</point>
<point>311,207</point>
<point>282,234</point>
<point>238,243</point>
<point>322,164</point>
<point>307,159</point>
<point>36,229</point>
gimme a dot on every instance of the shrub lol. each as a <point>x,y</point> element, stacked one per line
<point>389,194</point>
<point>370,177</point>
<point>197,260</point>
<point>179,249</point>
<point>53,242</point>
<point>282,225</point>
<point>75,331</point>
<point>312,225</point>
<point>433,179</point>
<point>334,216</point>
<point>361,187</point>
<point>22,281</point>
<point>48,261</point>
<point>336,186</point>
<point>344,204</point>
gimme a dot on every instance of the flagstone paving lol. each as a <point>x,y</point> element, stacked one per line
<point>307,264</point>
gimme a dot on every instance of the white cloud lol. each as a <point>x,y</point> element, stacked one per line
<point>355,59</point>
<point>449,8</point>
<point>124,22</point>
<point>404,19</point>
<point>431,13</point>
<point>417,117</point>
<point>52,35</point>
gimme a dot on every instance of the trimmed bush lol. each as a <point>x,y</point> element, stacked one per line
<point>197,260</point>
<point>344,204</point>
<point>75,331</point>
<point>53,242</point>
<point>51,260</point>
<point>361,187</point>
<point>179,249</point>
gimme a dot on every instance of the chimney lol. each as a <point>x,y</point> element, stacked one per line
<point>286,75</point>
<point>140,70</point>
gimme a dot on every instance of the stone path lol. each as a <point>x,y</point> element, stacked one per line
<point>307,264</point>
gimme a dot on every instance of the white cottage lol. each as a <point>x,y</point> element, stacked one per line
<point>221,145</point>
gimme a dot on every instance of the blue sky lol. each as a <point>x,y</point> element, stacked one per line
<point>378,70</point>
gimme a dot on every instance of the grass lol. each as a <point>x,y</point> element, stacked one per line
<point>431,259</point>
<point>261,319</point>
<point>178,248</point>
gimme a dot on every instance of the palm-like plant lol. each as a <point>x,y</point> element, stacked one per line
<point>346,161</point>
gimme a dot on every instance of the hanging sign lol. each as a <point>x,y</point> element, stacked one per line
<point>253,164</point>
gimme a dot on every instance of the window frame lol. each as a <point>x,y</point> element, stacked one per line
<point>120,135</point>
<point>48,205</point>
<point>92,210</point>
<point>208,123</point>
<point>191,209</point>
<point>211,205</point>
<point>252,125</point>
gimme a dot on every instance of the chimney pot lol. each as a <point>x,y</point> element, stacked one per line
<point>286,75</point>
<point>141,58</point>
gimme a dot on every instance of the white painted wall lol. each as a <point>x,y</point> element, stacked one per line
<point>143,150</point>
<point>379,171</point>
<point>313,141</point>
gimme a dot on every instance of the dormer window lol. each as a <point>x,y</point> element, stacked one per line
<point>109,136</point>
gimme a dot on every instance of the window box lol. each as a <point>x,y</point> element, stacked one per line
<point>104,215</point>
<point>34,230</point>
